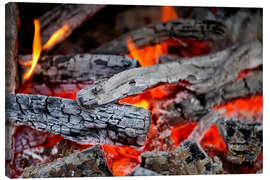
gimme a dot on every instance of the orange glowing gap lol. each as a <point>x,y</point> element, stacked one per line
<point>37,49</point>
<point>168,13</point>
<point>56,37</point>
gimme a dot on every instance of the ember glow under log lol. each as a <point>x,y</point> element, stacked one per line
<point>110,124</point>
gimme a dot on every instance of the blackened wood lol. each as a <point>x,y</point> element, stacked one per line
<point>81,67</point>
<point>72,14</point>
<point>243,139</point>
<point>204,74</point>
<point>188,158</point>
<point>109,124</point>
<point>157,33</point>
<point>11,35</point>
<point>186,106</point>
<point>11,72</point>
<point>140,171</point>
<point>87,163</point>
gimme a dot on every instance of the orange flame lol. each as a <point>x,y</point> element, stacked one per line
<point>56,37</point>
<point>168,13</point>
<point>37,49</point>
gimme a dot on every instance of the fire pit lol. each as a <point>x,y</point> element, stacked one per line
<point>95,90</point>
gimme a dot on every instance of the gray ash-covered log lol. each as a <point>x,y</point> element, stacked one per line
<point>66,16</point>
<point>157,33</point>
<point>187,159</point>
<point>140,171</point>
<point>87,163</point>
<point>243,138</point>
<point>203,74</point>
<point>113,123</point>
<point>77,68</point>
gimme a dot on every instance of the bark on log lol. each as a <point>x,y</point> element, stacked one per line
<point>81,67</point>
<point>71,14</point>
<point>87,163</point>
<point>156,33</point>
<point>243,138</point>
<point>204,74</point>
<point>188,107</point>
<point>187,159</point>
<point>11,72</point>
<point>109,124</point>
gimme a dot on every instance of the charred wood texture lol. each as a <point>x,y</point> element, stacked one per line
<point>87,163</point>
<point>187,159</point>
<point>82,67</point>
<point>140,171</point>
<point>243,138</point>
<point>109,124</point>
<point>203,74</point>
<point>72,15</point>
<point>188,107</point>
<point>157,33</point>
<point>11,73</point>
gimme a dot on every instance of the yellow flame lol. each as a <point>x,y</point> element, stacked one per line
<point>37,49</point>
<point>56,37</point>
<point>143,103</point>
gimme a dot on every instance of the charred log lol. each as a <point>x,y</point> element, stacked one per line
<point>204,74</point>
<point>87,163</point>
<point>82,67</point>
<point>157,33</point>
<point>143,172</point>
<point>243,138</point>
<point>109,124</point>
<point>72,15</point>
<point>187,158</point>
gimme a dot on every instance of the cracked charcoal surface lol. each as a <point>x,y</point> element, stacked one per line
<point>204,73</point>
<point>87,163</point>
<point>188,158</point>
<point>108,124</point>
<point>243,138</point>
<point>81,67</point>
<point>143,172</point>
<point>156,33</point>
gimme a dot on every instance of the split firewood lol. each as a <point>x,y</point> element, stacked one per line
<point>188,158</point>
<point>112,123</point>
<point>140,171</point>
<point>188,107</point>
<point>243,139</point>
<point>65,16</point>
<point>11,72</point>
<point>87,163</point>
<point>157,33</point>
<point>203,74</point>
<point>81,67</point>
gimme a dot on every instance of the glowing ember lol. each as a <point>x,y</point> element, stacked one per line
<point>168,13</point>
<point>122,160</point>
<point>37,49</point>
<point>249,108</point>
<point>181,132</point>
<point>56,37</point>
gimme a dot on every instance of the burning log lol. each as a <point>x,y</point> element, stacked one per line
<point>143,172</point>
<point>203,74</point>
<point>156,33</point>
<point>87,163</point>
<point>82,67</point>
<point>109,124</point>
<point>65,17</point>
<point>243,138</point>
<point>187,107</point>
<point>187,159</point>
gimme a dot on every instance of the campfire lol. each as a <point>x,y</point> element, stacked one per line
<point>148,91</point>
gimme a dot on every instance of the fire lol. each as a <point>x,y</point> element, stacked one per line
<point>37,49</point>
<point>168,13</point>
<point>56,37</point>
